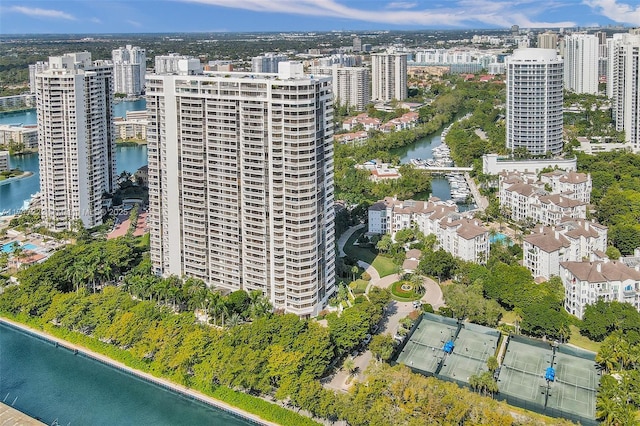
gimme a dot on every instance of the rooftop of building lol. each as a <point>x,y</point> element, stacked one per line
<point>601,271</point>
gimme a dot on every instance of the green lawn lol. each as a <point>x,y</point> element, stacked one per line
<point>359,286</point>
<point>581,341</point>
<point>383,265</point>
<point>508,317</point>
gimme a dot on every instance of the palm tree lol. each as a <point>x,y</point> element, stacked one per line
<point>354,271</point>
<point>607,411</point>
<point>606,357</point>
<point>215,304</point>
<point>350,366</point>
<point>234,320</point>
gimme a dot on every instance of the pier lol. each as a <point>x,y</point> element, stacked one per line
<point>445,169</point>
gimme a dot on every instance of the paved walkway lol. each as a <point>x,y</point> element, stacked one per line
<point>345,236</point>
<point>11,416</point>
<point>481,202</point>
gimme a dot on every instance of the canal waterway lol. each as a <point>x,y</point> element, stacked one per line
<point>15,194</point>
<point>423,149</point>
<point>55,385</point>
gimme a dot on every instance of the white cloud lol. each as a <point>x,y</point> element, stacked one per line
<point>133,23</point>
<point>401,5</point>
<point>502,13</point>
<point>616,10</point>
<point>96,20</point>
<point>36,12</point>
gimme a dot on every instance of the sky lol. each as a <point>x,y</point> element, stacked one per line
<point>164,16</point>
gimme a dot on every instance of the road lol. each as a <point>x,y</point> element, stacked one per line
<point>394,312</point>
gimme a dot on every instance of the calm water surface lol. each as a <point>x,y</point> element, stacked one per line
<point>53,384</point>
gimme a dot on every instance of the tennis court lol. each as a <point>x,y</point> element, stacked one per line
<point>573,392</point>
<point>575,387</point>
<point>472,350</point>
<point>423,350</point>
<point>522,371</point>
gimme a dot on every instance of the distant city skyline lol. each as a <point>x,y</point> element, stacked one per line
<point>140,16</point>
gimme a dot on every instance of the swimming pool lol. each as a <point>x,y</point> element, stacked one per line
<point>9,247</point>
<point>498,237</point>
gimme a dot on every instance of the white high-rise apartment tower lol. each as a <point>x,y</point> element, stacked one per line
<point>623,84</point>
<point>241,183</point>
<point>351,86</point>
<point>581,54</point>
<point>268,62</point>
<point>389,75</point>
<point>74,99</point>
<point>129,68</point>
<point>534,101</point>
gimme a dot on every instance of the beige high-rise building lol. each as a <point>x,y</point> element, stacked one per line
<point>241,183</point>
<point>351,86</point>
<point>548,40</point>
<point>389,75</point>
<point>74,100</point>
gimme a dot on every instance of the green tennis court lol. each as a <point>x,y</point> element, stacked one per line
<point>573,392</point>
<point>575,387</point>
<point>522,371</point>
<point>424,351</point>
<point>471,352</point>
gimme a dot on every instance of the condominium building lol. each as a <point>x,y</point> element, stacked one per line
<point>581,63</point>
<point>174,62</point>
<point>587,282</point>
<point>357,44</point>
<point>571,240</point>
<point>33,69</point>
<point>76,139</point>
<point>4,161</point>
<point>25,135</point>
<point>572,184</point>
<point>623,85</point>
<point>389,75</point>
<point>556,196</point>
<point>351,85</point>
<point>534,101</point>
<point>268,62</point>
<point>603,54</point>
<point>548,40</point>
<point>129,68</point>
<point>241,183</point>
<point>462,236</point>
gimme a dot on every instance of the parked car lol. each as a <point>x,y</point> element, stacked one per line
<point>374,329</point>
<point>417,304</point>
<point>366,340</point>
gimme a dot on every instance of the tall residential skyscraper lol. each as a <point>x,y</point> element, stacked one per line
<point>357,44</point>
<point>351,86</point>
<point>623,85</point>
<point>389,74</point>
<point>268,62</point>
<point>129,68</point>
<point>548,40</point>
<point>581,63</point>
<point>534,101</point>
<point>241,183</point>
<point>74,100</point>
